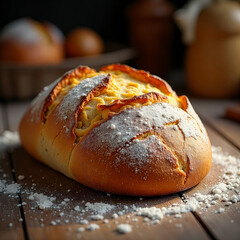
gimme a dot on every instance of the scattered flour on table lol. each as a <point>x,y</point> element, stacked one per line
<point>96,217</point>
<point>99,207</point>
<point>92,227</point>
<point>12,188</point>
<point>80,229</point>
<point>42,200</point>
<point>223,194</point>
<point>9,140</point>
<point>71,101</point>
<point>21,177</point>
<point>124,228</point>
<point>227,190</point>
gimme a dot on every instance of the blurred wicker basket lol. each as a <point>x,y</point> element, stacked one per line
<point>18,81</point>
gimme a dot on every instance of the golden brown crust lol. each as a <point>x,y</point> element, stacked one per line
<point>34,119</point>
<point>67,79</point>
<point>147,98</point>
<point>58,131</point>
<point>151,147</point>
<point>143,76</point>
<point>153,160</point>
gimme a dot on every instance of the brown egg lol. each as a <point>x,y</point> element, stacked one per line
<point>83,42</point>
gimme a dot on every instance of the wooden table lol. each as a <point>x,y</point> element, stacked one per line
<point>50,223</point>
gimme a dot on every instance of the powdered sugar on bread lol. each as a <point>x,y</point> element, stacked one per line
<point>133,122</point>
<point>66,110</point>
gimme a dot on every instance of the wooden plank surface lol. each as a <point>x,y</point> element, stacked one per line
<point>10,213</point>
<point>213,112</point>
<point>225,225</point>
<point>47,181</point>
<point>61,221</point>
<point>10,226</point>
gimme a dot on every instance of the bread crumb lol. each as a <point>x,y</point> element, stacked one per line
<point>97,217</point>
<point>220,210</point>
<point>21,177</point>
<point>92,227</point>
<point>146,219</point>
<point>124,228</point>
<point>105,221</point>
<point>77,208</point>
<point>84,221</point>
<point>61,214</point>
<point>112,126</point>
<point>156,221</point>
<point>53,223</point>
<point>114,216</point>
<point>80,229</point>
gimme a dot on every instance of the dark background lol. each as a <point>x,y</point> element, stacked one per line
<point>107,17</point>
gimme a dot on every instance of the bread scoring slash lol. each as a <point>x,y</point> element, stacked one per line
<point>119,130</point>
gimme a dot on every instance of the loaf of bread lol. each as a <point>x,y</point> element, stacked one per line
<point>30,42</point>
<point>119,130</point>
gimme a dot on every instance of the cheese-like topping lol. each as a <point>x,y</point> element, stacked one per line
<point>64,91</point>
<point>122,86</point>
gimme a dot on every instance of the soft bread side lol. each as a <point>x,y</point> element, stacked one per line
<point>142,155</point>
<point>120,130</point>
<point>38,135</point>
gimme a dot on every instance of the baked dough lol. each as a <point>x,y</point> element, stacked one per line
<point>27,41</point>
<point>119,130</point>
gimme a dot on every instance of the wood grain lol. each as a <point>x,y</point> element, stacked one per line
<point>225,225</point>
<point>48,181</point>
<point>201,224</point>
<point>10,212</point>
<point>213,112</point>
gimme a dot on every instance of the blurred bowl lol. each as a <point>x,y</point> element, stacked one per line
<point>22,81</point>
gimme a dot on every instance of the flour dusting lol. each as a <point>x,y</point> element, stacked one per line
<point>90,216</point>
<point>9,140</point>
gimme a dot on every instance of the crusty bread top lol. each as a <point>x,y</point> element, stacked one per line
<point>123,83</point>
<point>93,96</point>
<point>140,124</point>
